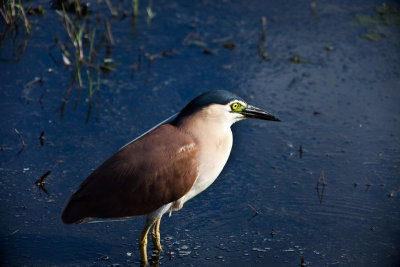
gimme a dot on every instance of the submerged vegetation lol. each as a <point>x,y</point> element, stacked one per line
<point>383,16</point>
<point>83,57</point>
<point>88,37</point>
<point>85,46</point>
<point>13,13</point>
<point>90,55</point>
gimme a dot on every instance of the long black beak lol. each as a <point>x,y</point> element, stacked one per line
<point>256,113</point>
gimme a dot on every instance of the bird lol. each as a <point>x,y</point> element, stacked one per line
<point>165,167</point>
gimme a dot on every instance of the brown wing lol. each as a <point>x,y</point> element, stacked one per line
<point>152,171</point>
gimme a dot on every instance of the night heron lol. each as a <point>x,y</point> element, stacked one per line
<point>162,169</point>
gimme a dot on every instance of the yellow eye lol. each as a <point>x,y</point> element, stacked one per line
<point>235,106</point>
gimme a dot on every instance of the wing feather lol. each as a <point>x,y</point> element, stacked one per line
<point>152,171</point>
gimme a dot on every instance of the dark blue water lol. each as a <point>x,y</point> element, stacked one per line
<point>340,104</point>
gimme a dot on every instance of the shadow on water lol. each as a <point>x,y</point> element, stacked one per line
<point>83,83</point>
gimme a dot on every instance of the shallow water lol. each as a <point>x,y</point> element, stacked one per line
<point>341,106</point>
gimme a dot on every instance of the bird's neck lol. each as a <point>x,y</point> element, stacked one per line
<point>214,139</point>
<point>206,129</point>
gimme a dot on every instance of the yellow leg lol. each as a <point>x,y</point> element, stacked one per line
<point>143,244</point>
<point>155,235</point>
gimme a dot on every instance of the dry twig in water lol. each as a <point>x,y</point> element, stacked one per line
<point>263,39</point>
<point>321,178</point>
<point>20,138</point>
<point>40,183</point>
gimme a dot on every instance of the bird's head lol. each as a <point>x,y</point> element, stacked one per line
<point>224,106</point>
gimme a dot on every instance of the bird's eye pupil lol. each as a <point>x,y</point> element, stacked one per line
<point>235,106</point>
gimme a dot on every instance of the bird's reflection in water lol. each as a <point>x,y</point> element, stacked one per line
<point>154,260</point>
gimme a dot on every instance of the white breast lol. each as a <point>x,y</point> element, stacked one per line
<point>214,154</point>
<point>211,128</point>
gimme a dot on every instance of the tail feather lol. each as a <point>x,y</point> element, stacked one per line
<point>72,213</point>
